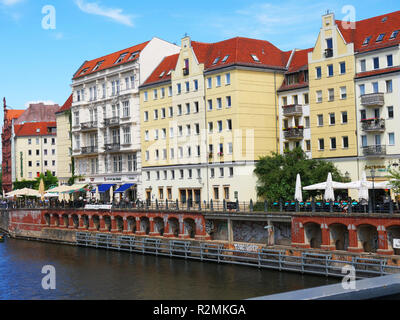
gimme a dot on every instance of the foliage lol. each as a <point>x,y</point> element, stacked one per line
<point>394,177</point>
<point>277,174</point>
<point>17,185</point>
<point>49,181</point>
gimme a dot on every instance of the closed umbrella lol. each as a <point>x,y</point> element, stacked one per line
<point>298,194</point>
<point>41,189</point>
<point>97,194</point>
<point>363,193</point>
<point>329,193</point>
<point>111,194</point>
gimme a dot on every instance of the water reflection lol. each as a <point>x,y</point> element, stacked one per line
<point>99,274</point>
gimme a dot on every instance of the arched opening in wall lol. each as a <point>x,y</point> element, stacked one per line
<point>313,235</point>
<point>368,238</point>
<point>75,220</point>
<point>190,228</point>
<point>85,222</point>
<point>56,220</point>
<point>96,222</point>
<point>339,236</point>
<point>174,226</point>
<point>131,225</point>
<point>145,225</point>
<point>120,224</point>
<point>65,221</point>
<point>159,226</point>
<point>107,222</point>
<point>393,233</point>
<point>47,219</point>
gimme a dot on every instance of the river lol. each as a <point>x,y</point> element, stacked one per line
<point>84,274</point>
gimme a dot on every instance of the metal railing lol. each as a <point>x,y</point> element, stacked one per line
<point>373,99</point>
<point>115,121</point>
<point>310,263</point>
<point>373,125</point>
<point>292,110</point>
<point>89,126</point>
<point>294,133</point>
<point>371,151</point>
<point>89,150</point>
<point>112,147</point>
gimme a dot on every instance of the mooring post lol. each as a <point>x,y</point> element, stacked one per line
<point>251,205</point>
<point>265,206</point>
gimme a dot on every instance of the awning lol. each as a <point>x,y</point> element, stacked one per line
<point>103,188</point>
<point>125,187</point>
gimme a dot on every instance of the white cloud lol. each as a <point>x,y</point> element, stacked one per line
<point>10,2</point>
<point>114,14</point>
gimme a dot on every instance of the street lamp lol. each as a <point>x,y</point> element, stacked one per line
<point>373,188</point>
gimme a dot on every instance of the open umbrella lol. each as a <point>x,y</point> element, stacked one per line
<point>298,194</point>
<point>329,193</point>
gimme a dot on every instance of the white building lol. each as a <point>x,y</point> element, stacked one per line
<point>106,119</point>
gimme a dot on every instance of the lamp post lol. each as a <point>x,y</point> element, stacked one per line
<point>373,188</point>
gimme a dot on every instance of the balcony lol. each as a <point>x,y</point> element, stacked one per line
<point>89,126</point>
<point>294,134</point>
<point>373,100</point>
<point>112,147</point>
<point>292,110</point>
<point>328,53</point>
<point>374,151</point>
<point>185,71</point>
<point>373,125</point>
<point>112,122</point>
<point>90,150</point>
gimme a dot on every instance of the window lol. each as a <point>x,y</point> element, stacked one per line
<point>229,124</point>
<point>345,142</point>
<point>187,84</point>
<point>306,98</point>
<point>179,110</point>
<point>308,145</point>
<point>180,131</point>
<point>37,152</point>
<point>376,63</point>
<point>331,94</point>
<point>231,172</point>
<point>329,43</point>
<point>171,112</point>
<point>343,92</point>
<point>225,59</point>
<point>344,117</point>
<point>125,109</point>
<point>342,67</point>
<point>53,152</point>
<point>228,78</point>
<point>187,108</point>
<point>169,91</point>
<point>121,57</point>
<point>218,81</point>
<point>320,120</point>
<point>375,87</point>
<point>173,174</point>
<point>157,154</point>
<point>389,59</point>
<point>366,41</point>
<point>146,135</point>
<point>221,172</point>
<point>156,114</point>
<point>389,86</point>
<point>147,155</point>
<point>219,103</point>
<point>321,144</point>
<point>163,113</point>
<point>209,83</point>
<point>182,174</point>
<point>319,96</point>
<point>330,70</point>
<point>146,116</point>
<point>216,60</point>
<point>172,153</point>
<point>391,139</point>
<point>196,107</point>
<point>164,157</point>
<point>219,126</point>
<point>163,93</point>
<point>318,72</point>
<point>363,66</point>
<point>171,132</point>
<point>196,85</point>
<point>188,130</point>
<point>179,88</point>
<point>390,112</point>
<point>230,148</point>
<point>210,106</point>
<point>228,101</point>
<point>156,134</point>
<point>30,163</point>
<point>333,143</point>
<point>255,58</point>
<point>332,119</point>
<point>295,99</point>
<point>29,141</point>
<point>197,128</point>
<point>210,127</point>
<point>364,141</point>
<point>45,152</point>
<point>132,82</point>
<point>380,37</point>
<point>164,134</point>
<point>362,89</point>
<point>212,173</point>
<point>198,151</point>
<point>146,96</point>
<point>307,122</point>
<point>394,34</point>
<point>363,114</point>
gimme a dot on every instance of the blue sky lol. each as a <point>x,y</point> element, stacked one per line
<point>37,64</point>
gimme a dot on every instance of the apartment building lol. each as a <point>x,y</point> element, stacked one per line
<point>208,114</point>
<point>106,119</point>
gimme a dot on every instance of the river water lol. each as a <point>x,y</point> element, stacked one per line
<point>84,274</point>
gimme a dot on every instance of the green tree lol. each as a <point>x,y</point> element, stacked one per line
<point>49,181</point>
<point>277,174</point>
<point>394,177</point>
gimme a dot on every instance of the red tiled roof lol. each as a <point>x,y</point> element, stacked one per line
<point>299,61</point>
<point>299,85</point>
<point>13,114</point>
<point>377,72</point>
<point>31,129</point>
<point>67,105</point>
<point>239,51</point>
<point>39,113</point>
<point>108,61</point>
<point>373,27</point>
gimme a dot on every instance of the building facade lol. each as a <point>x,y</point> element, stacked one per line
<point>106,118</point>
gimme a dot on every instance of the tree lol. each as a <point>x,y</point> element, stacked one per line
<point>277,174</point>
<point>49,181</point>
<point>394,177</point>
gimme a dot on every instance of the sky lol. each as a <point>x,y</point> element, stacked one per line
<point>43,43</point>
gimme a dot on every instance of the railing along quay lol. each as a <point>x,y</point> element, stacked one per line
<point>310,263</point>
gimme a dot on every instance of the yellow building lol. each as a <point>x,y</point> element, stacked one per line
<point>64,143</point>
<point>207,116</point>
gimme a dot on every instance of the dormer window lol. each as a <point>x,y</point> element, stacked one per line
<point>121,57</point>
<point>225,59</point>
<point>84,70</point>
<point>380,37</point>
<point>394,35</point>
<point>255,58</point>
<point>37,130</point>
<point>98,65</point>
<point>134,55</point>
<point>366,41</point>
<point>216,60</point>
<point>169,72</point>
<point>162,74</point>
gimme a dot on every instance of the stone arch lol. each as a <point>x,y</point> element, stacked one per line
<point>145,225</point>
<point>131,224</point>
<point>313,235</point>
<point>96,222</point>
<point>189,227</point>
<point>367,237</point>
<point>107,222</point>
<point>56,218</point>
<point>339,235</point>
<point>393,232</point>
<point>47,219</point>
<point>120,223</point>
<point>75,220</point>
<point>159,225</point>
<point>85,219</point>
<point>65,220</point>
<point>174,226</point>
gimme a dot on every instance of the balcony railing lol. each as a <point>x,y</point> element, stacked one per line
<point>112,122</point>
<point>373,125</point>
<point>294,134</point>
<point>328,53</point>
<point>371,151</point>
<point>89,126</point>
<point>292,110</point>
<point>373,100</point>
<point>112,147</point>
<point>90,150</point>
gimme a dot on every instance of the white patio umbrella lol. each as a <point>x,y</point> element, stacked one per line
<point>298,193</point>
<point>363,193</point>
<point>329,193</point>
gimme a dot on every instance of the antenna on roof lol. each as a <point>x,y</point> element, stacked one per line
<point>328,11</point>
<point>185,35</point>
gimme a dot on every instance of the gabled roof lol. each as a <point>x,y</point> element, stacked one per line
<point>373,27</point>
<point>67,105</point>
<point>33,129</point>
<point>299,60</point>
<point>109,61</point>
<point>235,51</point>
<point>39,113</point>
<point>13,114</point>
